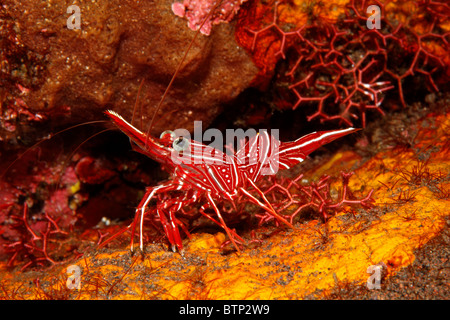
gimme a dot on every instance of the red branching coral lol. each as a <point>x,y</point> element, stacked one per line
<point>339,64</point>
<point>34,211</point>
<point>291,196</point>
<point>204,14</point>
<point>34,245</point>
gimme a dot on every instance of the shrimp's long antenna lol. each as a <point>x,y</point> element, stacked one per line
<point>175,74</point>
<point>137,102</point>
<point>171,81</point>
<point>47,138</point>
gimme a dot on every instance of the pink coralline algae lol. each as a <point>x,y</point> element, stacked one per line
<point>198,12</point>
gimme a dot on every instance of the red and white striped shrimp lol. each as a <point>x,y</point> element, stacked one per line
<point>221,177</point>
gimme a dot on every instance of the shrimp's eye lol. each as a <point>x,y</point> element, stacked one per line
<point>167,133</point>
<point>180,144</point>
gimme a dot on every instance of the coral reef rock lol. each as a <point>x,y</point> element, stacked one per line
<point>101,64</point>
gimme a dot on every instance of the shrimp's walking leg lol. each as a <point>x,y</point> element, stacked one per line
<point>222,222</point>
<point>140,210</point>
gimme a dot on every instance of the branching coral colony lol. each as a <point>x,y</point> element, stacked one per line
<point>37,236</point>
<point>335,62</point>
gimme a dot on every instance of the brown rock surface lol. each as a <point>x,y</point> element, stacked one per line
<point>100,66</point>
